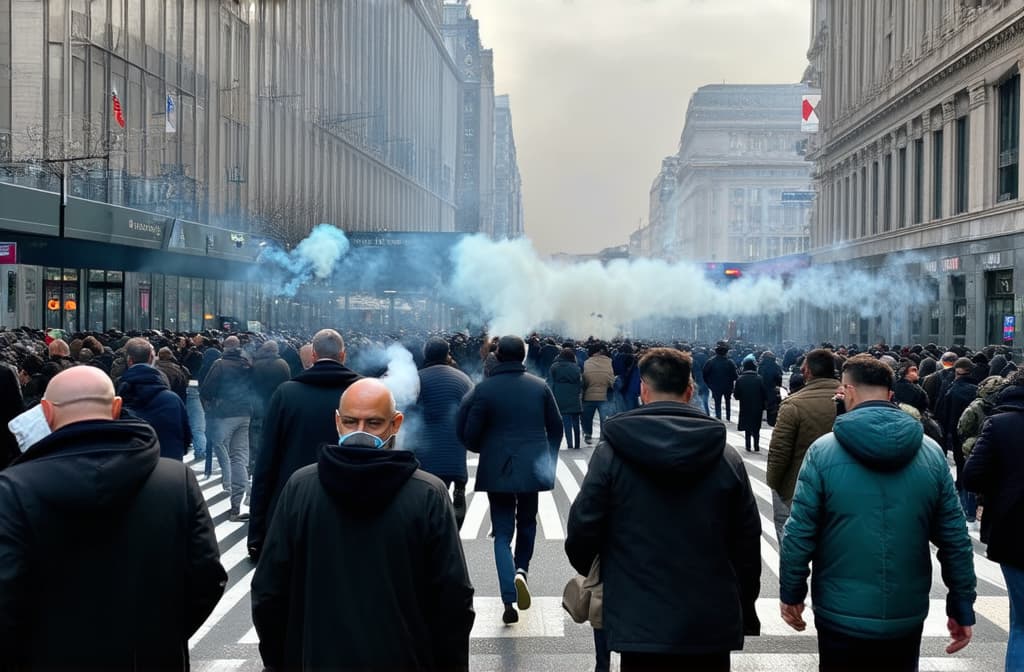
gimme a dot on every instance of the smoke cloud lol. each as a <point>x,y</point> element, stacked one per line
<point>402,377</point>
<point>315,258</point>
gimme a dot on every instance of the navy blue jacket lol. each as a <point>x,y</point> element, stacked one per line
<point>146,396</point>
<point>720,374</point>
<point>432,422</point>
<point>512,420</point>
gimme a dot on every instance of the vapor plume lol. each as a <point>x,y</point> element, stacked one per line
<point>315,258</point>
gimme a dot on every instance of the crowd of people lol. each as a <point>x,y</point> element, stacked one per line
<point>341,514</point>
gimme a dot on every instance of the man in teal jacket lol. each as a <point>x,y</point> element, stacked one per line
<point>870,497</point>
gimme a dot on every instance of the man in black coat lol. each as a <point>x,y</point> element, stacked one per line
<point>720,375</point>
<point>91,517</point>
<point>671,601</point>
<point>269,370</point>
<point>961,392</point>
<point>363,568</point>
<point>299,419</point>
<point>146,395</point>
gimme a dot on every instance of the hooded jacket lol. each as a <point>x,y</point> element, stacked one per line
<point>227,389</point>
<point>404,600</point>
<point>299,419</point>
<point>269,371</point>
<point>146,395</point>
<point>878,485</point>
<point>668,508</point>
<point>110,560</point>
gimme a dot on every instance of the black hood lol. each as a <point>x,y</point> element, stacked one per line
<point>667,439</point>
<point>365,478</point>
<point>140,384</point>
<point>327,373</point>
<point>1010,399</point>
<point>95,465</point>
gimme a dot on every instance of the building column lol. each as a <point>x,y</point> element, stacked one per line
<point>927,186</point>
<point>978,181</point>
<point>948,158</point>
<point>1020,146</point>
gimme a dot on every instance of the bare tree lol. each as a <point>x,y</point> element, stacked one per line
<point>287,219</point>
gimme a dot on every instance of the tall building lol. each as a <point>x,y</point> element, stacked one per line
<point>508,184</point>
<point>919,150</point>
<point>738,189</point>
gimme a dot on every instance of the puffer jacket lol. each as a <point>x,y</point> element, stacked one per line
<point>876,484</point>
<point>598,377</point>
<point>803,417</point>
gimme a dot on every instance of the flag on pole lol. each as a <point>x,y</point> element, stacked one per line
<point>170,117</point>
<point>118,112</point>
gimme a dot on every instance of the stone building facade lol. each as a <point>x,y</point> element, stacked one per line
<point>508,183</point>
<point>919,152</point>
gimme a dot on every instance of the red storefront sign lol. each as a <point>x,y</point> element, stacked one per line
<point>8,253</point>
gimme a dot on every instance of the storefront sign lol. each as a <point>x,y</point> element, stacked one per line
<point>992,260</point>
<point>950,264</point>
<point>8,253</point>
<point>1009,326</point>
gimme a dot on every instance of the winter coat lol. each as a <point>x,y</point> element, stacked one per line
<point>299,419</point>
<point>146,395</point>
<point>877,485</point>
<point>771,374</point>
<point>995,469</point>
<point>192,360</point>
<point>971,420</point>
<point>548,354</point>
<point>750,392</point>
<point>177,377</point>
<point>598,378</point>
<point>11,406</point>
<point>911,394</point>
<point>434,439</point>
<point>803,417</point>
<point>511,419</point>
<point>268,372</point>
<point>699,360</point>
<point>110,560</point>
<point>720,374</point>
<point>936,385</point>
<point>996,366</point>
<point>796,382</point>
<point>227,389</point>
<point>665,466</point>
<point>210,356</point>
<point>949,409</point>
<point>371,516</point>
<point>566,382</point>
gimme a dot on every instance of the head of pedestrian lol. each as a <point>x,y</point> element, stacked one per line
<point>722,349</point>
<point>79,394</point>
<point>908,371</point>
<point>948,359</point>
<point>749,365</point>
<point>328,344</point>
<point>818,364</point>
<point>865,379</point>
<point>367,417</point>
<point>666,375</point>
<point>436,351</point>
<point>567,354</point>
<point>138,351</point>
<point>511,349</point>
<point>963,367</point>
<point>232,343</point>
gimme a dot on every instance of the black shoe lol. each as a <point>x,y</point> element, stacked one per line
<point>238,517</point>
<point>588,440</point>
<point>510,616</point>
<point>757,449</point>
<point>749,450</point>
<point>522,590</point>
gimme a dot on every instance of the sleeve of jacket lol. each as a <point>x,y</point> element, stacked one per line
<point>206,577</point>
<point>453,588</point>
<point>800,538</point>
<point>552,420</point>
<point>469,424</point>
<point>271,583</point>
<point>780,449</point>
<point>588,516</point>
<point>209,387</point>
<point>745,547</point>
<point>955,551</point>
<point>264,475</point>
<point>14,602</point>
<point>982,464</point>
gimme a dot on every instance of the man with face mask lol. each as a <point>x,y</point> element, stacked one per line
<point>363,531</point>
<point>90,516</point>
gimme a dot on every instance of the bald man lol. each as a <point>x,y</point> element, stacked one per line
<point>91,517</point>
<point>306,356</point>
<point>363,529</point>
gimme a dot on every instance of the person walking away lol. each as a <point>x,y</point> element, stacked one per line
<point>269,370</point>
<point>511,419</point>
<point>750,392</point>
<point>678,601</point>
<point>210,355</point>
<point>145,394</point>
<point>958,397</point>
<point>435,442</point>
<point>700,358</point>
<point>363,568</point>
<point>936,384</point>
<point>192,360</point>
<point>177,377</point>
<point>995,469</point>
<point>720,376</point>
<point>97,531</point>
<point>878,485</point>
<point>599,380</point>
<point>566,382</point>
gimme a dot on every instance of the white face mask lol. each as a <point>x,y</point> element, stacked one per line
<point>30,427</point>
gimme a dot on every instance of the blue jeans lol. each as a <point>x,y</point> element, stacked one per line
<point>704,394</point>
<point>589,408</point>
<point>1015,646</point>
<point>512,513</point>
<point>571,425</point>
<point>196,421</point>
<point>231,435</point>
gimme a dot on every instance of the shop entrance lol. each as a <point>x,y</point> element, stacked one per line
<point>61,299</point>
<point>999,307</point>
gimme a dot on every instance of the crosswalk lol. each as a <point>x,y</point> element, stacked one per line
<point>227,641</point>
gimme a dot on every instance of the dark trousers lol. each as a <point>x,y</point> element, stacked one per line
<point>656,662</point>
<point>752,437</point>
<point>839,652</point>
<point>719,396</point>
<point>601,652</point>
<point>512,515</point>
<point>571,425</point>
<point>458,499</point>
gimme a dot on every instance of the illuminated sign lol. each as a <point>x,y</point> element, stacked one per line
<point>1009,326</point>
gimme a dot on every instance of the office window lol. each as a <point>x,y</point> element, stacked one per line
<point>864,201</point>
<point>1009,140</point>
<point>874,198</point>
<point>918,181</point>
<point>962,167</point>
<point>901,197</point>
<point>937,140</point>
<point>887,193</point>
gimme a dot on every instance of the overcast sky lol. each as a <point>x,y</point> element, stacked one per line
<point>599,91</point>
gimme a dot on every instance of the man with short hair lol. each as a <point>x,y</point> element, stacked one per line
<point>297,422</point>
<point>511,419</point>
<point>307,356</point>
<point>720,375</point>
<point>666,466</point>
<point>803,417</point>
<point>936,384</point>
<point>109,556</point>
<point>871,497</point>
<point>363,567</point>
<point>147,396</point>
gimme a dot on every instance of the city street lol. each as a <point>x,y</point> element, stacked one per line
<point>546,639</point>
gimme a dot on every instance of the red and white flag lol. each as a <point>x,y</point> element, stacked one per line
<point>118,112</point>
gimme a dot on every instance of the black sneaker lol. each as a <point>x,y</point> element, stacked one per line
<point>588,440</point>
<point>522,590</point>
<point>510,616</point>
<point>238,517</point>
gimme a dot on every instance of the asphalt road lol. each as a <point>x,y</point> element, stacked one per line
<point>546,639</point>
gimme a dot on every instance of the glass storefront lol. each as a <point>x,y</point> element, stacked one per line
<point>999,307</point>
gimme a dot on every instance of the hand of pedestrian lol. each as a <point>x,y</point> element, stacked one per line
<point>961,635</point>
<point>792,614</point>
